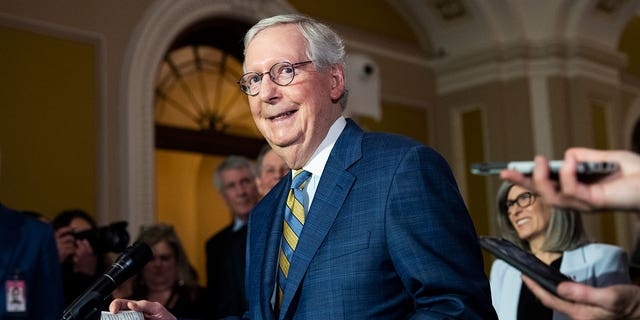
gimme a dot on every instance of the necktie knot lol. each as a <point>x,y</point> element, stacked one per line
<point>300,178</point>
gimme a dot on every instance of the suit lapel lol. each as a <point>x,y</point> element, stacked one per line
<point>332,190</point>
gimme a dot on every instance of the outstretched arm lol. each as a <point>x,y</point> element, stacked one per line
<point>617,191</point>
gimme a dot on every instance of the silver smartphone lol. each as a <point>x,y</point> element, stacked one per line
<point>586,171</point>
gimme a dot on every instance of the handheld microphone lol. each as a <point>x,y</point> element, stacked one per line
<point>132,260</point>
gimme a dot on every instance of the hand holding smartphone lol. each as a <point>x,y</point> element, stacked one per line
<point>586,171</point>
<point>525,262</point>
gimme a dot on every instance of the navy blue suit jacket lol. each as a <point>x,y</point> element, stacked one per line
<point>27,247</point>
<point>387,237</point>
<point>225,271</point>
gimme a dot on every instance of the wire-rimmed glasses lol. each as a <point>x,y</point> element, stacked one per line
<point>281,73</point>
<point>523,200</point>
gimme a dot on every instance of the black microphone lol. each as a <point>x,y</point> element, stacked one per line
<point>128,263</point>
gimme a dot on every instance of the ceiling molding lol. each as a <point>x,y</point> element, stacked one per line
<point>51,29</point>
<point>518,61</point>
<point>413,12</point>
<point>390,53</point>
<point>383,46</point>
<point>560,49</point>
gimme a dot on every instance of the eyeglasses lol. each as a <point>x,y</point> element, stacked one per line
<point>523,200</point>
<point>281,73</point>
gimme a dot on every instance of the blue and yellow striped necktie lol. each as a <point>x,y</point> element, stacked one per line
<point>294,217</point>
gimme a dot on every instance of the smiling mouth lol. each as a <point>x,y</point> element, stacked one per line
<point>282,115</point>
<point>522,221</point>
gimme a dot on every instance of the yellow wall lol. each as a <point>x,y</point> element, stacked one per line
<point>47,122</point>
<point>187,199</point>
<point>600,134</point>
<point>629,44</point>
<point>399,119</point>
<point>474,146</point>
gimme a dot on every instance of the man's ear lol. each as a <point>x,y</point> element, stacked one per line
<point>337,81</point>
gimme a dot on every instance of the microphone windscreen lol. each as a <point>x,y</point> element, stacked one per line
<point>130,261</point>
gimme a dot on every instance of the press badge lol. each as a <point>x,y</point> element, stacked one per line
<point>16,293</point>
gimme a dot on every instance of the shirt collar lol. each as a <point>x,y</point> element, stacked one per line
<point>319,158</point>
<point>237,224</point>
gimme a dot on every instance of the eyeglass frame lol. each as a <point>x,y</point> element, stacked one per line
<point>261,75</point>
<point>525,195</point>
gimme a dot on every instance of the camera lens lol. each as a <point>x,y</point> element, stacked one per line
<point>113,238</point>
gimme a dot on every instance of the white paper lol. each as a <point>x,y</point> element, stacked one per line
<point>122,315</point>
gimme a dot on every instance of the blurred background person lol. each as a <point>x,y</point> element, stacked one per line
<point>81,264</point>
<point>555,236</point>
<point>29,267</point>
<point>235,179</point>
<point>169,278</point>
<point>271,168</point>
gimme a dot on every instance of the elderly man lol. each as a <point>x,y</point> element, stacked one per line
<point>367,225</point>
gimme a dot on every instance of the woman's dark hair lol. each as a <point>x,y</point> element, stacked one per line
<point>64,218</point>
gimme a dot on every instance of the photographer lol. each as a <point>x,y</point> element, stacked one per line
<point>82,248</point>
<point>80,263</point>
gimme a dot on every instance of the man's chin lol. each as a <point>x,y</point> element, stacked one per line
<point>282,138</point>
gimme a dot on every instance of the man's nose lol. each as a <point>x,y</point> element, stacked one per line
<point>267,87</point>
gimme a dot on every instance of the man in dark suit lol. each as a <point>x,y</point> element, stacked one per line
<point>380,229</point>
<point>235,179</point>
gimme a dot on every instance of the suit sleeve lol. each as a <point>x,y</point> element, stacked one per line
<point>432,241</point>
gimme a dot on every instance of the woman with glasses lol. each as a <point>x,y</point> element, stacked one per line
<point>555,236</point>
<point>168,278</point>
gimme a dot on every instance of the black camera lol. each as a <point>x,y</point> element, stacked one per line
<point>111,238</point>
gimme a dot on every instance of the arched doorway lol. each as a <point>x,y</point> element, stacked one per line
<point>201,117</point>
<point>152,38</point>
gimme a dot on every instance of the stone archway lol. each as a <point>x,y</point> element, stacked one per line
<point>150,40</point>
